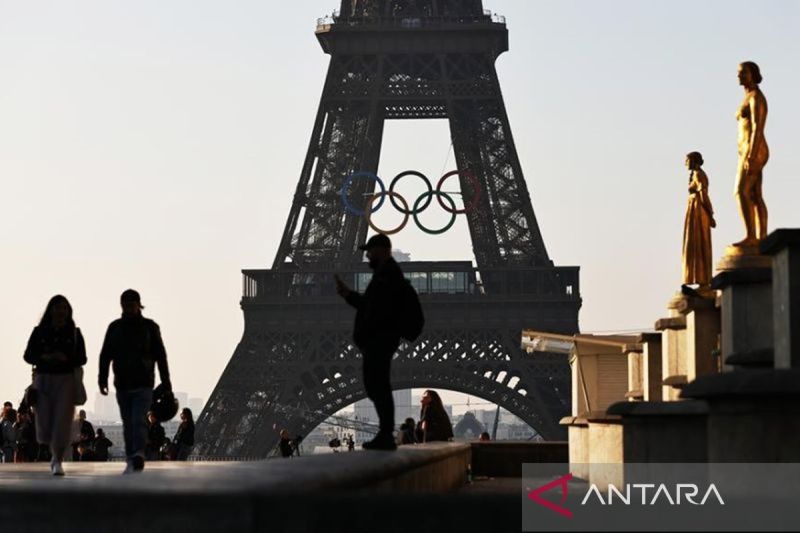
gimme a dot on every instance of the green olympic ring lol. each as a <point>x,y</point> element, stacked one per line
<point>440,195</point>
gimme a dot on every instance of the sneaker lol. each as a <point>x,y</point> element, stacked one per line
<point>128,468</point>
<point>57,469</point>
<point>380,442</point>
<point>138,463</point>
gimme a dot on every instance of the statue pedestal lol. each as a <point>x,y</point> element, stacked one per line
<point>689,341</point>
<point>739,257</point>
<point>784,247</point>
<point>746,310</point>
<point>663,432</point>
<point>753,415</point>
<point>754,411</point>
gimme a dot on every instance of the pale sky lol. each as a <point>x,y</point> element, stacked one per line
<point>157,145</point>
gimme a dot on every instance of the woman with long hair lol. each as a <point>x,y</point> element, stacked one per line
<point>434,424</point>
<point>55,349</point>
<point>184,437</point>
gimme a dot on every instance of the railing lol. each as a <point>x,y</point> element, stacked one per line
<point>427,278</point>
<point>413,22</point>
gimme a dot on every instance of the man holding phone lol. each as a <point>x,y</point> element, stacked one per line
<point>377,332</point>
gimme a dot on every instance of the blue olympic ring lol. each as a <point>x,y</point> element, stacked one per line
<point>348,206</point>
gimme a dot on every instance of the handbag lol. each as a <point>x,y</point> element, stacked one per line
<point>30,396</point>
<point>77,375</point>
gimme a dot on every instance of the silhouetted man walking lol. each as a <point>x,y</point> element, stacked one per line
<point>133,344</point>
<point>377,332</point>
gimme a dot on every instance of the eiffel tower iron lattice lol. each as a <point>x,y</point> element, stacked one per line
<point>296,364</point>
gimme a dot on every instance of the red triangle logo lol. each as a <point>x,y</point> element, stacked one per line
<point>535,496</point>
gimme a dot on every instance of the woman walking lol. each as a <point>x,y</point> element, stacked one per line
<point>184,437</point>
<point>55,349</point>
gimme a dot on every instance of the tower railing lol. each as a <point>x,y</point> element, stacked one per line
<point>409,22</point>
<point>452,280</point>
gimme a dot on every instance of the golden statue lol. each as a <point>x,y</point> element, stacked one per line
<point>697,227</point>
<point>753,155</point>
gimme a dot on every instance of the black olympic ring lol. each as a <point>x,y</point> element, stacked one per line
<point>420,205</point>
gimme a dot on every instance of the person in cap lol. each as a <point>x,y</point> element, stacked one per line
<point>377,332</point>
<point>133,348</point>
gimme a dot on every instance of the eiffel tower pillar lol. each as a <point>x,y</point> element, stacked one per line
<point>295,364</point>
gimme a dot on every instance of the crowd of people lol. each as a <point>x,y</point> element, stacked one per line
<point>18,443</point>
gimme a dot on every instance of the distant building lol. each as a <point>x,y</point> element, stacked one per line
<point>400,256</point>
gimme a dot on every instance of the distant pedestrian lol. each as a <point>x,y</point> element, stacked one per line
<point>184,437</point>
<point>434,423</point>
<point>55,349</point>
<point>351,443</point>
<point>285,444</point>
<point>485,437</point>
<point>85,434</point>
<point>6,407</point>
<point>133,345</point>
<point>156,436</point>
<point>85,452</point>
<point>27,447</point>
<point>408,432</point>
<point>381,320</point>
<point>101,446</point>
<point>8,435</point>
<point>298,440</point>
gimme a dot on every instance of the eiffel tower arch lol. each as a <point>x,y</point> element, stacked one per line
<point>296,364</point>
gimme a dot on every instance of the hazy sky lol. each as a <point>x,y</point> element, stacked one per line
<point>157,144</point>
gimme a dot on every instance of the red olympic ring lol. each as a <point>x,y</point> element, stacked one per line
<point>476,188</point>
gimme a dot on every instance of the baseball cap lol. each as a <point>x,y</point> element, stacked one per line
<point>377,241</point>
<point>131,295</point>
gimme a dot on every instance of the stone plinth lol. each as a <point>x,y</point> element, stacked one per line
<point>753,415</point>
<point>702,335</point>
<point>635,372</point>
<point>651,366</point>
<point>747,329</point>
<point>605,447</point>
<point>784,247</point>
<point>663,432</point>
<point>578,431</point>
<point>673,346</point>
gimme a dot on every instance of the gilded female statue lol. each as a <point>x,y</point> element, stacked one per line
<point>753,155</point>
<point>697,227</point>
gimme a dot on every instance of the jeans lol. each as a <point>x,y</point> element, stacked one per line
<point>378,383</point>
<point>133,407</point>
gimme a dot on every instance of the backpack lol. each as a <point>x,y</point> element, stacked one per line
<point>412,319</point>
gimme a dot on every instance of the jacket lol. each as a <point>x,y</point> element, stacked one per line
<point>47,339</point>
<point>134,346</point>
<point>377,323</point>
<point>185,435</point>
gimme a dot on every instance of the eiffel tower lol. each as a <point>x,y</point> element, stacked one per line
<point>296,364</point>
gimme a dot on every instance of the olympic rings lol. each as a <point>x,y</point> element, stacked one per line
<point>392,195</point>
<point>452,212</point>
<point>476,188</point>
<point>403,175</point>
<point>420,205</point>
<point>347,205</point>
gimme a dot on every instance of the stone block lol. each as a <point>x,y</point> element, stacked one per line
<point>784,247</point>
<point>746,314</point>
<point>663,432</point>
<point>753,415</point>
